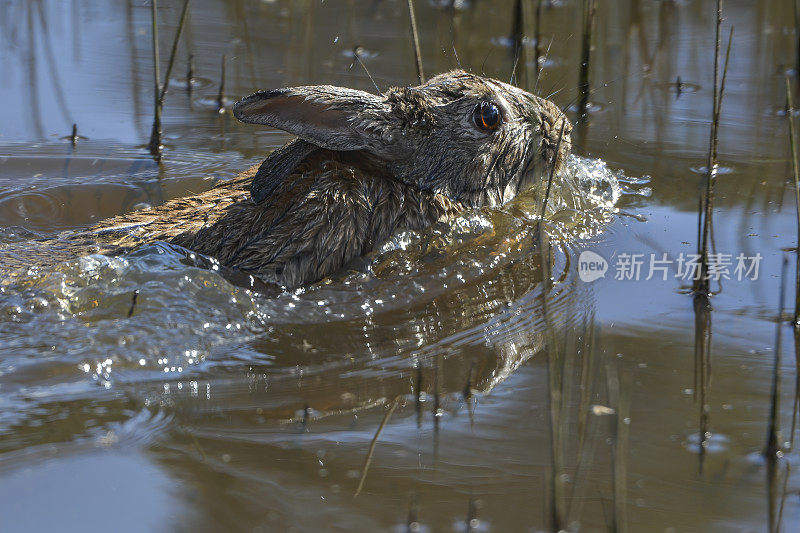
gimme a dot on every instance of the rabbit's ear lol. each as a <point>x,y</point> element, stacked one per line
<point>277,167</point>
<point>330,117</point>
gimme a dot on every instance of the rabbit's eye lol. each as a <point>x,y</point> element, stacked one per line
<point>486,116</point>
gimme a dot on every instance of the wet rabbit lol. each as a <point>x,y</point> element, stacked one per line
<point>363,166</point>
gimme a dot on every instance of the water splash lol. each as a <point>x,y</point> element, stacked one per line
<point>473,282</point>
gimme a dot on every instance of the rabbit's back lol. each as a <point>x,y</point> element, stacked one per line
<point>333,208</point>
<point>124,232</point>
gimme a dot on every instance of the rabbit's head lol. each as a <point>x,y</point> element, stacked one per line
<point>474,139</point>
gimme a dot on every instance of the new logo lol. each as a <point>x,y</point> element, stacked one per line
<point>591,266</point>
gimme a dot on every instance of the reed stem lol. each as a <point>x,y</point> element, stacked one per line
<point>415,42</point>
<point>368,460</point>
<point>190,73</point>
<point>554,368</point>
<point>552,171</point>
<point>797,35</point>
<point>586,52</point>
<point>418,394</point>
<point>701,284</point>
<point>155,135</point>
<point>155,145</point>
<point>221,93</point>
<point>472,516</point>
<point>773,437</point>
<point>517,38</point>
<point>702,371</point>
<point>796,400</point>
<point>134,299</point>
<point>619,449</point>
<point>412,525</point>
<point>796,174</point>
<point>171,62</point>
<point>537,37</point>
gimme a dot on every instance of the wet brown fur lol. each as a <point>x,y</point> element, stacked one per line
<point>280,241</point>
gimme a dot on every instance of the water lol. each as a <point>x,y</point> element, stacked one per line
<point>201,404</point>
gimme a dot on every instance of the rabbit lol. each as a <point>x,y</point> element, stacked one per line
<point>362,167</point>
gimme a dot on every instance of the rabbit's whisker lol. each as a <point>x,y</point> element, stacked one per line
<point>357,56</point>
<point>514,67</point>
<point>530,165</point>
<point>552,94</point>
<point>515,184</point>
<point>541,71</point>
<point>592,92</point>
<point>486,57</point>
<point>455,54</point>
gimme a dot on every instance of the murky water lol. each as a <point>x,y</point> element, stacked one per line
<point>507,402</point>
